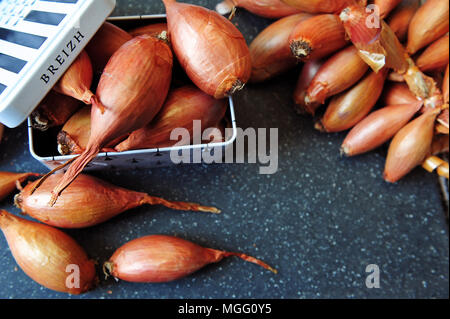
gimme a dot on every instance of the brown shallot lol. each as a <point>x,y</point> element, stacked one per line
<point>160,258</point>
<point>265,8</point>
<point>348,108</point>
<point>209,47</point>
<point>328,82</point>
<point>428,24</point>
<point>76,81</point>
<point>398,93</point>
<point>89,201</point>
<point>435,56</point>
<point>74,135</point>
<point>308,72</point>
<point>48,256</point>
<point>410,146</point>
<point>378,127</point>
<point>317,37</point>
<point>183,106</point>
<point>8,181</point>
<point>54,110</point>
<point>399,19</point>
<point>445,86</point>
<point>108,39</point>
<point>131,91</point>
<point>270,52</point>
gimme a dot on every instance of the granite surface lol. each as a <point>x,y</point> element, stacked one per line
<point>320,220</point>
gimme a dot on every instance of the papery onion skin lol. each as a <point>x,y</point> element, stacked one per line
<point>88,201</point>
<point>321,6</point>
<point>182,107</point>
<point>338,73</point>
<point>378,127</point>
<point>47,255</point>
<point>435,57</point>
<point>160,258</point>
<point>54,110</point>
<point>399,20</point>
<point>108,39</point>
<point>430,22</point>
<point>209,47</point>
<point>270,52</point>
<point>377,43</point>
<point>153,29</point>
<point>348,108</point>
<point>307,73</point>
<point>317,37</point>
<point>8,182</point>
<point>131,91</point>
<point>77,80</point>
<point>273,9</point>
<point>410,146</point>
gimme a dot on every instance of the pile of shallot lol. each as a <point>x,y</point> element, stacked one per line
<point>377,69</point>
<point>135,105</point>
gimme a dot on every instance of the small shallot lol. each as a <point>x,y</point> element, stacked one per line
<point>428,24</point>
<point>183,106</point>
<point>48,256</point>
<point>317,37</point>
<point>8,181</point>
<point>348,108</point>
<point>308,72</point>
<point>209,47</point>
<point>435,57</point>
<point>265,8</point>
<point>270,52</point>
<point>76,81</point>
<point>54,110</point>
<point>378,127</point>
<point>328,82</point>
<point>160,258</point>
<point>398,93</point>
<point>108,39</point>
<point>399,20</point>
<point>410,146</point>
<point>88,201</point>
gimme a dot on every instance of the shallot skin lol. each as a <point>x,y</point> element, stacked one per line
<point>48,255</point>
<point>160,258</point>
<point>435,57</point>
<point>88,201</point>
<point>209,47</point>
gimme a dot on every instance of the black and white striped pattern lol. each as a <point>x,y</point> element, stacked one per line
<point>26,26</point>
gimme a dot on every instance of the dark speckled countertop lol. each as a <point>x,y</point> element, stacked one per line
<point>320,220</point>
